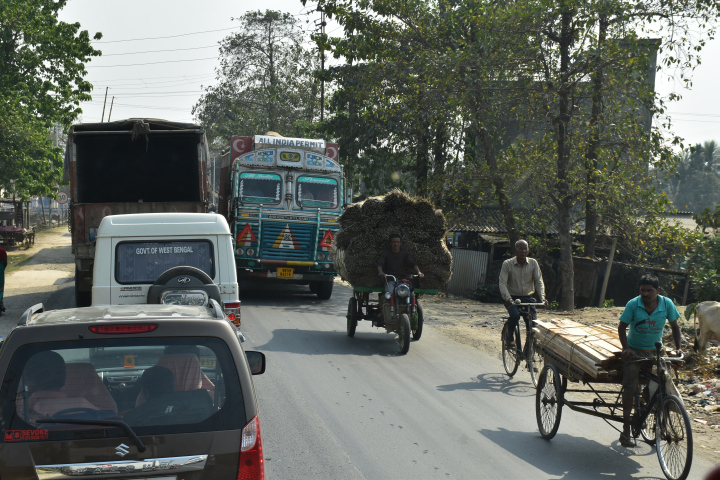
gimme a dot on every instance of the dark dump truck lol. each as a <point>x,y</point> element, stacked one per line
<point>138,165</point>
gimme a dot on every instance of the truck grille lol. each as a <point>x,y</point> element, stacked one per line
<point>288,241</point>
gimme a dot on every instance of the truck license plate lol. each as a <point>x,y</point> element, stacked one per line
<point>285,272</point>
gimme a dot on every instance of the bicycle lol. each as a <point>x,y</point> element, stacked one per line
<point>667,427</point>
<point>513,356</point>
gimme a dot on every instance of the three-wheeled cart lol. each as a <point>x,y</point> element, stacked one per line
<point>405,319</point>
<point>659,416</point>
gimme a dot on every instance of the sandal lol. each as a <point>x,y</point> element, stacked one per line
<point>626,441</point>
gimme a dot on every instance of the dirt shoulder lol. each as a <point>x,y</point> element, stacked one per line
<point>479,325</point>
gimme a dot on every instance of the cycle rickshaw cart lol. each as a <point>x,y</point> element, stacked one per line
<point>659,416</point>
<point>399,313</point>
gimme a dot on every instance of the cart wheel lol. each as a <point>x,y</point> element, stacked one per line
<point>510,356</point>
<point>535,360</point>
<point>548,401</point>
<point>417,331</point>
<point>673,439</point>
<point>404,333</point>
<point>352,317</point>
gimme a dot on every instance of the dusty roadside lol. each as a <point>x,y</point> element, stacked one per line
<point>43,269</point>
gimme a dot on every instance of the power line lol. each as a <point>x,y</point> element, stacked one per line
<point>184,77</point>
<point>153,63</point>
<point>157,51</point>
<point>169,36</point>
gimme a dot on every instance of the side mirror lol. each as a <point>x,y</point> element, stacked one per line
<point>256,362</point>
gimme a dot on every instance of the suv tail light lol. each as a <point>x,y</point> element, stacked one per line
<point>252,463</point>
<point>232,310</point>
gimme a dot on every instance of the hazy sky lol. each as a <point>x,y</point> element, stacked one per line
<point>158,55</point>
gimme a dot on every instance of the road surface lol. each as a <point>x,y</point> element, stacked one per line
<point>335,407</point>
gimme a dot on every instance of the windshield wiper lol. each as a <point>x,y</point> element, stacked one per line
<point>109,423</point>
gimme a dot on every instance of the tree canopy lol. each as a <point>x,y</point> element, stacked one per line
<point>265,81</point>
<point>42,70</point>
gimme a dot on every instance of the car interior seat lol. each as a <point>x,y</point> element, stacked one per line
<point>187,373</point>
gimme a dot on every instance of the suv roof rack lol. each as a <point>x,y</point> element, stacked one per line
<point>27,315</point>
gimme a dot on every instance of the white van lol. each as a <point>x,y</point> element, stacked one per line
<point>165,258</point>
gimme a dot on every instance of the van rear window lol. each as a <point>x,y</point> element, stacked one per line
<point>144,262</point>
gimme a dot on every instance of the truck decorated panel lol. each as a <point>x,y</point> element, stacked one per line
<point>286,195</point>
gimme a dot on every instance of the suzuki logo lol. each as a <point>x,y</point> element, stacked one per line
<point>122,450</point>
<point>184,280</point>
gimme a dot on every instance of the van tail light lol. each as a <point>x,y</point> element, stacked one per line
<point>232,310</point>
<point>252,463</point>
<point>124,328</point>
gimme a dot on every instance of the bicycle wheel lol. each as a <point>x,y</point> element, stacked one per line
<point>511,360</point>
<point>548,401</point>
<point>535,359</point>
<point>673,438</point>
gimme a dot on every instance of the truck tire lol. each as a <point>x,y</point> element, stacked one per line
<point>324,290</point>
<point>82,299</point>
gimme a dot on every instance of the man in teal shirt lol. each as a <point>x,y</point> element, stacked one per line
<point>646,316</point>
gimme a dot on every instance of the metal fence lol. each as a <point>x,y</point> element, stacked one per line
<point>469,270</point>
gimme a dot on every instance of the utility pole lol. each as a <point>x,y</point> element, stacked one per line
<point>111,105</point>
<point>104,103</point>
<point>320,28</point>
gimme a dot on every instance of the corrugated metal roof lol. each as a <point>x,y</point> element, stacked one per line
<point>490,220</point>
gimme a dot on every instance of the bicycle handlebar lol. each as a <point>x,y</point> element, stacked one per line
<point>529,304</point>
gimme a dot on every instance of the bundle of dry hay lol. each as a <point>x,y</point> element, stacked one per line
<point>365,229</point>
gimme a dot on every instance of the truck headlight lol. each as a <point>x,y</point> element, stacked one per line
<point>250,252</point>
<point>402,290</point>
<point>240,252</point>
<point>321,256</point>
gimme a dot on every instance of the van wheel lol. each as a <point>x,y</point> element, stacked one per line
<point>324,290</point>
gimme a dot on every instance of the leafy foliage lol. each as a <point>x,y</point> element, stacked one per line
<point>42,69</point>
<point>265,81</point>
<point>705,269</point>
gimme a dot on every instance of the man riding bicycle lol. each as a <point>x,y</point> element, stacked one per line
<point>645,315</point>
<point>520,278</point>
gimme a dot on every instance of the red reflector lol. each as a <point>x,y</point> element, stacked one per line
<point>232,305</point>
<point>231,317</point>
<point>125,328</point>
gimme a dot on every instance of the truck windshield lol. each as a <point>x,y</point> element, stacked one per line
<point>317,192</point>
<point>260,188</point>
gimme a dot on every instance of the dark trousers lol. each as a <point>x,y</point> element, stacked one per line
<point>514,313</point>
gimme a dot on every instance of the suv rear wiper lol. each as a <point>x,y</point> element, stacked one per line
<point>109,423</point>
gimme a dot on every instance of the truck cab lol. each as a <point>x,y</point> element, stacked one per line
<point>285,196</point>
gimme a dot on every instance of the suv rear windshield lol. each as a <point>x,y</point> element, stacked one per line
<point>155,385</point>
<point>144,262</point>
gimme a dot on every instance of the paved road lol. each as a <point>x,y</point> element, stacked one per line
<point>338,407</point>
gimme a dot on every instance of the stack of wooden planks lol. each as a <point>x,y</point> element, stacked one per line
<point>595,350</point>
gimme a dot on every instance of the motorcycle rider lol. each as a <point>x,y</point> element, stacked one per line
<point>396,261</point>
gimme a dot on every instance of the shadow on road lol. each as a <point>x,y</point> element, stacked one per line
<point>553,456</point>
<point>313,342</point>
<point>495,382</point>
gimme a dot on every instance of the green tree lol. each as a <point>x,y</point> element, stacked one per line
<point>42,69</point>
<point>265,81</point>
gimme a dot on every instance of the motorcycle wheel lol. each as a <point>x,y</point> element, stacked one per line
<point>352,317</point>
<point>404,333</point>
<point>417,331</point>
